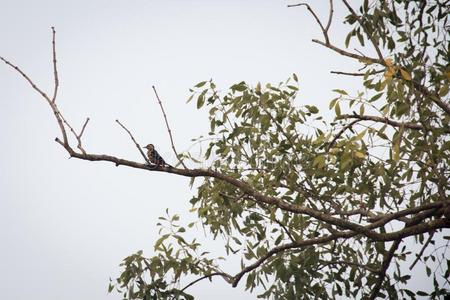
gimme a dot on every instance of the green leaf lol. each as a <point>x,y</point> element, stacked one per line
<point>200,84</point>
<point>160,241</point>
<point>376,97</point>
<point>342,92</point>
<point>337,109</point>
<point>333,102</point>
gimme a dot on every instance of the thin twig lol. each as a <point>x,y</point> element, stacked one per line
<point>79,146</point>
<point>55,70</point>
<point>53,106</point>
<point>422,250</point>
<point>77,136</point>
<point>356,74</point>
<point>349,125</point>
<point>33,85</point>
<point>324,31</point>
<point>168,127</point>
<point>330,16</point>
<point>134,141</point>
<point>84,127</point>
<point>349,54</point>
<point>224,275</point>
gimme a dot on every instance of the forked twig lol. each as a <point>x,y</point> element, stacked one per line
<point>168,127</point>
<point>77,136</point>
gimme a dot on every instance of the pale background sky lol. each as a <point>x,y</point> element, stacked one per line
<point>65,225</point>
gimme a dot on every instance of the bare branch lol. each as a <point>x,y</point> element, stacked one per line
<point>168,128</point>
<point>330,16</point>
<point>27,78</point>
<point>77,136</point>
<point>324,30</point>
<point>84,127</point>
<point>53,106</point>
<point>55,70</point>
<point>134,141</point>
<point>348,54</point>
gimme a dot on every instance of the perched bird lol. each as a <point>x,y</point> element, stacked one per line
<point>154,157</point>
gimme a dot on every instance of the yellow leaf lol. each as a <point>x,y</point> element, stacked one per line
<point>389,72</point>
<point>388,62</point>
<point>359,154</point>
<point>405,74</point>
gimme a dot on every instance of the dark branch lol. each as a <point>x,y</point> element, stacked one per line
<point>430,237</point>
<point>384,266</point>
<point>409,125</point>
<point>209,276</point>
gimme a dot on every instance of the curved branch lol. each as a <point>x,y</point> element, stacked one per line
<point>225,276</point>
<point>385,120</point>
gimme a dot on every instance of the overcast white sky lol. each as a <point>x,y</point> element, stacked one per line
<point>65,225</point>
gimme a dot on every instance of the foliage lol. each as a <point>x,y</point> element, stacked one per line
<point>316,209</point>
<point>328,205</point>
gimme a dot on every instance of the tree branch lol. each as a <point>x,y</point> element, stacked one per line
<point>209,276</point>
<point>349,54</point>
<point>134,141</point>
<point>44,95</point>
<point>55,70</point>
<point>368,34</point>
<point>384,266</point>
<point>324,30</point>
<point>348,126</point>
<point>430,237</point>
<point>385,120</point>
<point>356,74</point>
<point>168,128</point>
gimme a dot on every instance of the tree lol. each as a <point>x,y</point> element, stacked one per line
<point>322,214</point>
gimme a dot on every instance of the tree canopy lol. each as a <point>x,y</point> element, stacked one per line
<point>315,208</point>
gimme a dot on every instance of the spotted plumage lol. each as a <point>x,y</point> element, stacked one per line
<point>154,157</point>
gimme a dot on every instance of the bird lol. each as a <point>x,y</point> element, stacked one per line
<point>154,156</point>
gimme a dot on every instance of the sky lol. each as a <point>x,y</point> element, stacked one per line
<point>66,224</point>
